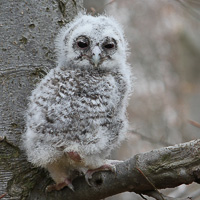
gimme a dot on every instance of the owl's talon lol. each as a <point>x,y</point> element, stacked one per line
<point>70,186</point>
<point>113,169</point>
<point>60,186</point>
<point>50,188</point>
<point>88,176</point>
<point>105,167</point>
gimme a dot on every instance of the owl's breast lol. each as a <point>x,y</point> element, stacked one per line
<point>90,89</point>
<point>84,97</point>
<point>81,108</point>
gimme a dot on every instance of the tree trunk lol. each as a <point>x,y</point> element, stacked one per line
<point>27,29</point>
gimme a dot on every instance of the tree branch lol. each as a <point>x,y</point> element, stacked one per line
<point>165,168</point>
<point>145,173</point>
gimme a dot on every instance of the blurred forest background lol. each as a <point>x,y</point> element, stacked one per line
<point>164,41</point>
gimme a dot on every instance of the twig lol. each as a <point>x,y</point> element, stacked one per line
<point>143,197</point>
<point>194,123</point>
<point>150,183</point>
<point>95,11</point>
<point>3,195</point>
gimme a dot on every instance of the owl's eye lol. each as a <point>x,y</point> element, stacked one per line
<point>82,42</point>
<point>82,45</point>
<point>109,46</point>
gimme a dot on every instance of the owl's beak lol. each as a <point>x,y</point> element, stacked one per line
<point>96,55</point>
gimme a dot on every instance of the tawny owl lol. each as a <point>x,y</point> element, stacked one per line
<point>77,113</point>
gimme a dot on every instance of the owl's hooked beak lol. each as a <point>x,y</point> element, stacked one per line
<point>96,56</point>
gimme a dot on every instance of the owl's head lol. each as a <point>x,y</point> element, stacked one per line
<point>94,42</point>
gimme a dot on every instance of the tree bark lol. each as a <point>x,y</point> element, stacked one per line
<point>27,30</point>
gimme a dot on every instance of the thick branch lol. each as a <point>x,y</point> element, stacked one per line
<point>162,168</point>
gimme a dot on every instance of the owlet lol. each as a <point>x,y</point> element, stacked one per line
<point>77,113</point>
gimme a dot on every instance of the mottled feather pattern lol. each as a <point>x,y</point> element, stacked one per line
<point>78,106</point>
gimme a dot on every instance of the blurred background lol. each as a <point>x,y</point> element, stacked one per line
<point>164,41</point>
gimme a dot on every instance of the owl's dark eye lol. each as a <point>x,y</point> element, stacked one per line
<point>82,45</point>
<point>109,46</point>
<point>82,42</point>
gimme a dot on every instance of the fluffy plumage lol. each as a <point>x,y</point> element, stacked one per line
<point>77,113</point>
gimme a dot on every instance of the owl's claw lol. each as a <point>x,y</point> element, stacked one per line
<point>60,186</point>
<point>88,176</point>
<point>106,167</point>
<point>70,186</point>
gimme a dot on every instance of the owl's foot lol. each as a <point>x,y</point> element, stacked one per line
<point>60,186</point>
<point>74,156</point>
<point>105,167</point>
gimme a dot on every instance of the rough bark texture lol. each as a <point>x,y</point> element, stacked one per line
<point>27,30</point>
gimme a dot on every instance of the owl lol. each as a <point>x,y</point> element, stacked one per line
<point>77,113</point>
